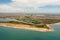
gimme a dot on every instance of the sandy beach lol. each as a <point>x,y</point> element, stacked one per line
<point>58,23</point>
<point>28,27</point>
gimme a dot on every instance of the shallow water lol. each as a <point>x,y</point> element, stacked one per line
<point>22,34</point>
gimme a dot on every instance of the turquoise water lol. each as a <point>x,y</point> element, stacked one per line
<point>21,34</point>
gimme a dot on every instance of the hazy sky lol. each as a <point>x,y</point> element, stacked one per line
<point>30,6</point>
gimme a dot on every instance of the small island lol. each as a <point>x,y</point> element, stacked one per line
<point>29,22</point>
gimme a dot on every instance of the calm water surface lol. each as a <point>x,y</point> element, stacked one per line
<point>21,34</point>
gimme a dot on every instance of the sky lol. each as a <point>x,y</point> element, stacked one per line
<point>30,6</point>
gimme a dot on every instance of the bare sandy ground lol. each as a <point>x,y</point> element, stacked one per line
<point>58,23</point>
<point>28,27</point>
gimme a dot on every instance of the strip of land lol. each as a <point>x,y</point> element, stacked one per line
<point>58,23</point>
<point>28,27</point>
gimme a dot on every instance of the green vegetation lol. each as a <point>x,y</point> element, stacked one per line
<point>34,22</point>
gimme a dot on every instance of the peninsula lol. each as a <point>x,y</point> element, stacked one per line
<point>28,27</point>
<point>29,22</point>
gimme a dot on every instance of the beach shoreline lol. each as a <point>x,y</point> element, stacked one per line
<point>28,27</point>
<point>58,23</point>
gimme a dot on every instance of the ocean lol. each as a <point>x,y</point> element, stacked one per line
<point>23,34</point>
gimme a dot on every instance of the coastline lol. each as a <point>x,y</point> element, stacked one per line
<point>58,23</point>
<point>28,27</point>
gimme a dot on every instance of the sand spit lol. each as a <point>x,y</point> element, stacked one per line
<point>28,27</point>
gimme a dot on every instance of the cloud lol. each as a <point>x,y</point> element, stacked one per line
<point>7,8</point>
<point>29,6</point>
<point>31,3</point>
